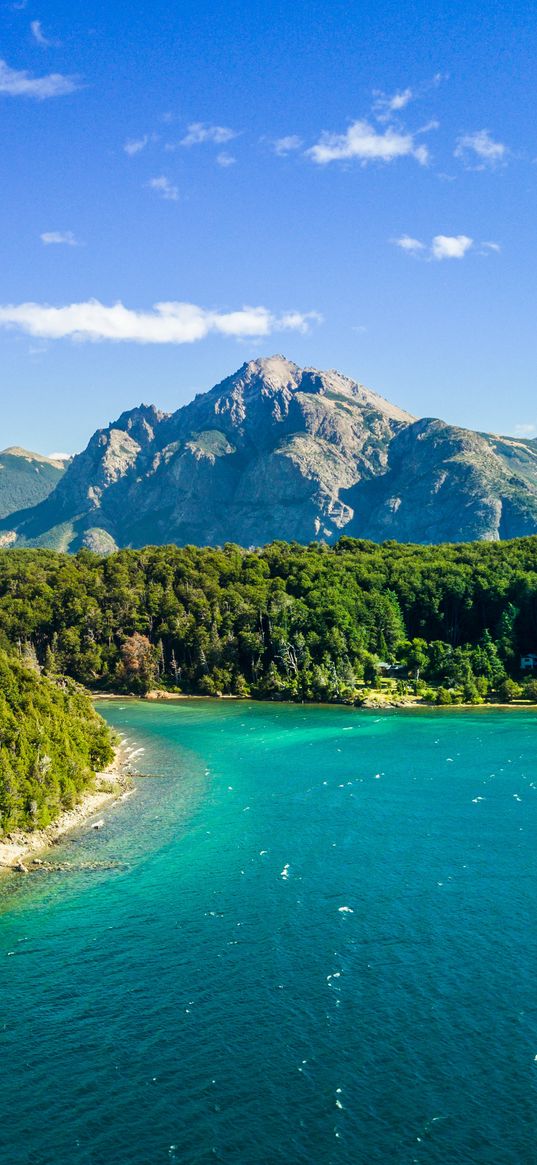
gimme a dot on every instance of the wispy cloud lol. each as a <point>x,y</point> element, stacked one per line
<point>410,245</point>
<point>225,160</point>
<point>164,188</point>
<point>479,151</point>
<point>59,238</point>
<point>167,323</point>
<point>135,145</point>
<point>441,246</point>
<point>362,142</point>
<point>385,106</point>
<point>198,133</point>
<point>526,430</point>
<point>20,83</point>
<point>36,29</point>
<point>287,145</point>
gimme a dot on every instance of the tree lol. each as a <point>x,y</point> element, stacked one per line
<point>530,691</point>
<point>508,691</point>
<point>138,662</point>
<point>416,656</point>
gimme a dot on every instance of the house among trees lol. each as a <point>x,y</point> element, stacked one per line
<point>529,661</point>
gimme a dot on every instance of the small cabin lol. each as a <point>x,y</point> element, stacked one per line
<point>529,662</point>
<point>391,669</point>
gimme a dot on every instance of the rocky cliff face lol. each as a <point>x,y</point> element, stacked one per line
<point>444,484</point>
<point>277,451</point>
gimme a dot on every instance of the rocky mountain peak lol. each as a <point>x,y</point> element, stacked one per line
<point>272,372</point>
<point>280,451</point>
<point>140,423</point>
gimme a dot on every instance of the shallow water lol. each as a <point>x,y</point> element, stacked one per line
<point>312,938</point>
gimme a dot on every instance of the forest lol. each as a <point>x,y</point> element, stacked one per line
<point>449,623</point>
<point>51,743</point>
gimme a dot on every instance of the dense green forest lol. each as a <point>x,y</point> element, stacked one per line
<point>51,743</point>
<point>292,622</point>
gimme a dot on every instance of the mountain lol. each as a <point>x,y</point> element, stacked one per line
<point>445,484</point>
<point>281,452</point>
<point>26,479</point>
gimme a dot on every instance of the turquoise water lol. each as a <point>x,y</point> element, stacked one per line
<point>309,937</point>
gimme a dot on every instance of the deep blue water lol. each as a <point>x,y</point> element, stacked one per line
<point>311,937</point>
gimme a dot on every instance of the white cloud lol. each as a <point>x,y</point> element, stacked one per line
<point>135,145</point>
<point>224,159</point>
<point>60,456</point>
<point>167,323</point>
<point>198,133</point>
<point>443,247</point>
<point>407,243</point>
<point>385,106</point>
<point>450,246</point>
<point>37,32</point>
<point>479,151</point>
<point>66,238</point>
<point>286,145</point>
<point>526,430</point>
<point>164,188</point>
<point>364,142</point>
<point>20,83</point>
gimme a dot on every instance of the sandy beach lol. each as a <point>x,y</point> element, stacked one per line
<point>19,847</point>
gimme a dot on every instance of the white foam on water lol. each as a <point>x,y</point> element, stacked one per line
<point>345,910</point>
<point>285,872</point>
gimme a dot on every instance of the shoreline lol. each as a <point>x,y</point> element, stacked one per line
<point>114,781</point>
<point>372,704</point>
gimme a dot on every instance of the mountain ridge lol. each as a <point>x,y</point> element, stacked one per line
<point>276,451</point>
<point>26,479</point>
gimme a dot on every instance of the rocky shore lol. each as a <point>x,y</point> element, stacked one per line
<point>18,848</point>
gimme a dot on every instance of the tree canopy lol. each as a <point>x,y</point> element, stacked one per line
<point>286,621</point>
<point>51,743</point>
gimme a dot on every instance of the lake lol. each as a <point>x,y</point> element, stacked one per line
<point>310,936</point>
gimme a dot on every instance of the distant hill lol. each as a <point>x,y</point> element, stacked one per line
<point>281,452</point>
<point>26,479</point>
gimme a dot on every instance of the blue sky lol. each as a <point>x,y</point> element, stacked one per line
<point>352,185</point>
